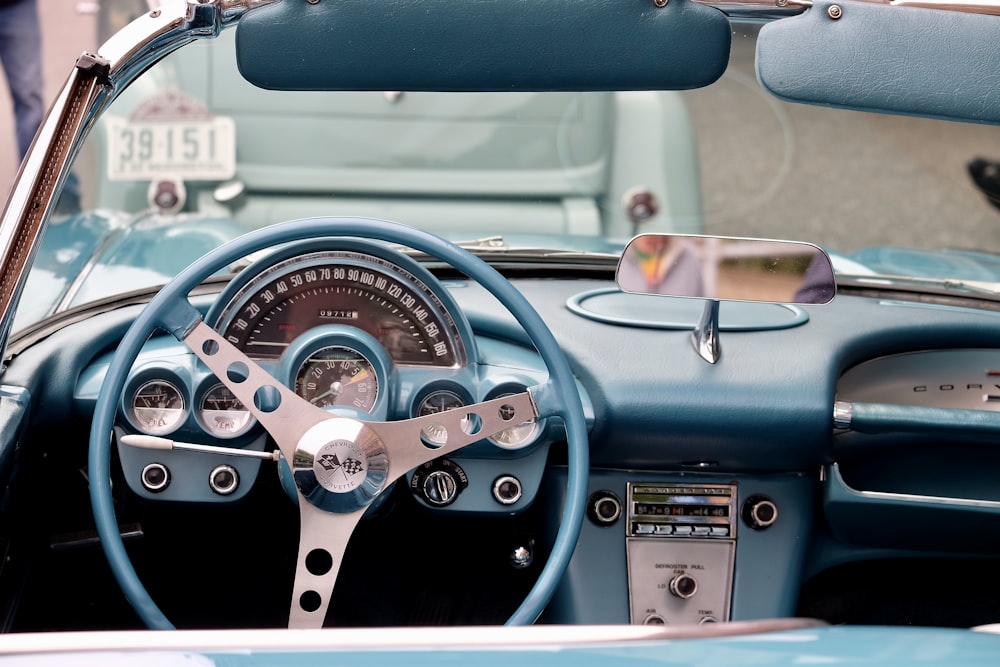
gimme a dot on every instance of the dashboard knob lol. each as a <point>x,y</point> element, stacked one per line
<point>155,477</point>
<point>604,508</point>
<point>224,479</point>
<point>759,512</point>
<point>507,489</point>
<point>683,586</point>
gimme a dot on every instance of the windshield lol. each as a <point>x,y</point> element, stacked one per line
<point>191,156</point>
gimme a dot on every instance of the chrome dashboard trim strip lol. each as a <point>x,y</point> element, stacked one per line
<point>837,478</point>
<point>494,638</point>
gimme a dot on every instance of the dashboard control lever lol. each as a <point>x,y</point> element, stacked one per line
<point>153,442</point>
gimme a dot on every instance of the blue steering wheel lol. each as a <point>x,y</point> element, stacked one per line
<point>304,432</point>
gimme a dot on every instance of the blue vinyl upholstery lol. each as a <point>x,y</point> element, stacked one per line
<point>914,61</point>
<point>483,45</point>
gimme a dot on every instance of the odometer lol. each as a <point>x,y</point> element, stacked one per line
<point>342,287</point>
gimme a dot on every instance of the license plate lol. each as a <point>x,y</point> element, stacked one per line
<point>190,150</point>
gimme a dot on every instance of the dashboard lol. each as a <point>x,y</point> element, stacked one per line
<point>351,327</point>
<point>717,491</point>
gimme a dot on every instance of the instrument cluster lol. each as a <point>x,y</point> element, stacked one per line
<point>351,327</point>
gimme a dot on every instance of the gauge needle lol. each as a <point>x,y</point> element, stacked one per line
<point>336,389</point>
<point>363,375</point>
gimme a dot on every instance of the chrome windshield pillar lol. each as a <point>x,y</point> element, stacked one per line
<point>93,83</point>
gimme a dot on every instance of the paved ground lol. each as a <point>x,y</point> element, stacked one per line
<point>69,27</point>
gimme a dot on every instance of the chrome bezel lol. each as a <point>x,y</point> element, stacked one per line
<point>527,440</point>
<point>205,424</point>
<point>142,426</point>
<point>155,488</point>
<point>224,490</point>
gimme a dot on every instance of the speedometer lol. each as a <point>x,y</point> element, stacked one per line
<point>343,287</point>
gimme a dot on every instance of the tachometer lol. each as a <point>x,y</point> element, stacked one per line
<point>342,287</point>
<point>338,376</point>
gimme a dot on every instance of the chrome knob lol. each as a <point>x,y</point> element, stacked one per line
<point>507,489</point>
<point>155,477</point>
<point>683,586</point>
<point>759,512</point>
<point>604,508</point>
<point>224,479</point>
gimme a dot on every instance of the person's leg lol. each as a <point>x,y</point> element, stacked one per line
<point>21,55</point>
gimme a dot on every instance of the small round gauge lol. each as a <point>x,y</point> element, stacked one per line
<point>440,400</point>
<point>337,376</point>
<point>222,414</point>
<point>517,435</point>
<point>436,402</point>
<point>158,407</point>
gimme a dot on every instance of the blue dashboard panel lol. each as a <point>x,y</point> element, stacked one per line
<point>761,420</point>
<point>504,368</point>
<point>768,564</point>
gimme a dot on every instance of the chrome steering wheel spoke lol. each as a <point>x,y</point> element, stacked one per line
<point>284,415</point>
<point>323,540</point>
<point>341,464</point>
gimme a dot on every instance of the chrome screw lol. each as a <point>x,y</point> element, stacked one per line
<point>521,557</point>
<point>834,12</point>
<point>313,2</point>
<point>661,3</point>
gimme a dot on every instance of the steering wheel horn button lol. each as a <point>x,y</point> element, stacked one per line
<point>340,465</point>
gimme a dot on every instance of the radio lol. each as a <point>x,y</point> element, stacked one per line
<point>680,550</point>
<point>694,510</point>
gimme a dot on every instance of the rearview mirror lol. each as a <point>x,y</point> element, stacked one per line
<point>726,269</point>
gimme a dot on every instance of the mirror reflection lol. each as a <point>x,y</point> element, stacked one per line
<point>730,269</point>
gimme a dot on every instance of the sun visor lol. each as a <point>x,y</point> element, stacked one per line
<point>893,59</point>
<point>483,45</point>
